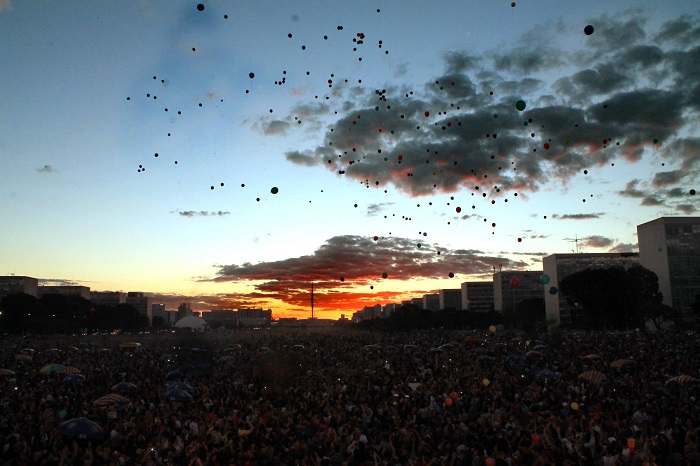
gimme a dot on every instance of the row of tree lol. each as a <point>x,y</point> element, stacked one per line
<point>54,313</point>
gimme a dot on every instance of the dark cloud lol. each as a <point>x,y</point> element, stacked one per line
<point>596,241</point>
<point>59,282</point>
<point>451,132</point>
<point>687,208</point>
<point>651,201</point>
<point>361,262</point>
<point>632,191</point>
<point>46,169</point>
<point>682,31</point>
<point>203,213</point>
<point>665,178</point>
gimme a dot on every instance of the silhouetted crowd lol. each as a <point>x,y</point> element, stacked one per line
<point>272,397</point>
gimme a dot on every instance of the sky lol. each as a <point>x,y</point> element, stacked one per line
<point>230,153</point>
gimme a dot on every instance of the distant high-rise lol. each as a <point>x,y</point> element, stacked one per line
<point>559,266</point>
<point>431,302</point>
<point>670,247</point>
<point>66,290</point>
<point>13,284</point>
<point>451,299</point>
<point>514,286</point>
<point>477,296</point>
<point>107,298</point>
<point>142,303</point>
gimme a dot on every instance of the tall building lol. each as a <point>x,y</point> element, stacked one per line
<point>417,302</point>
<point>69,290</point>
<point>107,298</point>
<point>559,266</point>
<point>389,309</point>
<point>13,284</point>
<point>511,287</point>
<point>431,302</point>
<point>670,247</point>
<point>477,296</point>
<point>142,303</point>
<point>451,298</point>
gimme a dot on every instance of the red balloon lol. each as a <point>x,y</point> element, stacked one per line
<point>451,275</point>
<point>546,146</point>
<point>535,438</point>
<point>514,282</point>
<point>427,114</point>
<point>458,209</point>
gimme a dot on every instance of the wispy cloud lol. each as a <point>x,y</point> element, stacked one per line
<point>46,168</point>
<point>202,213</point>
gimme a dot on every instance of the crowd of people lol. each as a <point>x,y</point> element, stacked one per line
<point>306,397</point>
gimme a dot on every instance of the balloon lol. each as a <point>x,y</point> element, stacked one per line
<point>492,329</point>
<point>692,192</point>
<point>631,443</point>
<point>451,275</point>
<point>200,7</point>
<point>62,413</point>
<point>546,146</point>
<point>459,209</point>
<point>553,290</point>
<point>490,462</point>
<point>535,438</point>
<point>342,279</point>
<point>588,30</point>
<point>514,282</point>
<point>520,105</point>
<point>544,278</point>
<point>574,406</point>
<point>448,401</point>
<point>454,396</point>
<point>384,275</point>
<point>513,4</point>
<point>251,75</point>
<point>274,190</point>
<point>486,382</point>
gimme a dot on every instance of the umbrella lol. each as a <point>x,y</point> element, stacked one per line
<point>6,372</point>
<point>81,427</point>
<point>180,386</point>
<point>481,350</point>
<point>69,370</point>
<point>619,363</point>
<point>593,377</point>
<point>73,378</point>
<point>167,358</point>
<point>484,359</point>
<point>176,394</point>
<point>546,374</point>
<point>176,374</point>
<point>51,368</point>
<point>227,358</point>
<point>540,348</point>
<point>533,353</point>
<point>591,356</point>
<point>434,351</point>
<point>513,359</point>
<point>111,399</point>
<point>124,387</point>
<point>23,357</point>
<point>682,379</point>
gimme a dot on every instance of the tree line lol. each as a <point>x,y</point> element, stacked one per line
<point>55,313</point>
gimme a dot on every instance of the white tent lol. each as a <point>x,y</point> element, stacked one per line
<point>191,322</point>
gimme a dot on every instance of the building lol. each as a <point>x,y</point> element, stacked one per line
<point>512,287</point>
<point>477,296</point>
<point>247,317</point>
<point>431,302</point>
<point>670,247</point>
<point>451,299</point>
<point>107,298</point>
<point>559,266</point>
<point>143,304</point>
<point>13,284</point>
<point>82,291</point>
<point>417,302</point>
<point>389,309</point>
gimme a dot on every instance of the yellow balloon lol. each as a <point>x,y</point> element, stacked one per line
<point>492,329</point>
<point>574,406</point>
<point>486,382</point>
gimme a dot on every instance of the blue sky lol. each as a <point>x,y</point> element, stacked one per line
<point>81,112</point>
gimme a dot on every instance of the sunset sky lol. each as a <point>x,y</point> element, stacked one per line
<point>230,155</point>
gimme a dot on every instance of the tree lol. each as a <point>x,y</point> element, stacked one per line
<point>18,310</point>
<point>614,297</point>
